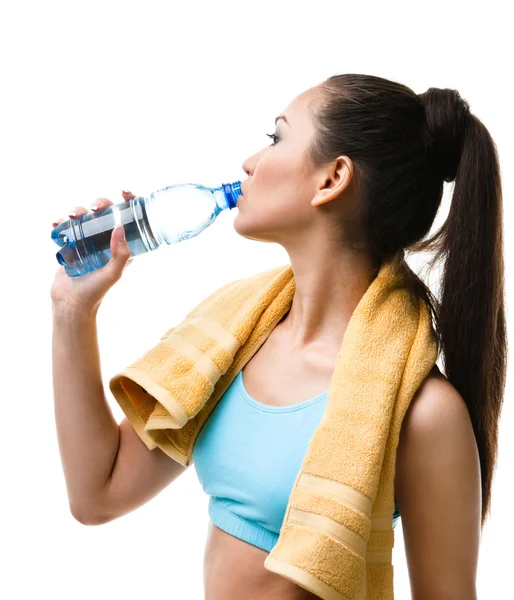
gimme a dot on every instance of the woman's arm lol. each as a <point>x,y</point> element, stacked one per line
<point>87,433</point>
<point>438,490</point>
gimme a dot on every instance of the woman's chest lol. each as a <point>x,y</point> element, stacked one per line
<point>247,457</point>
<point>252,446</point>
<point>279,376</point>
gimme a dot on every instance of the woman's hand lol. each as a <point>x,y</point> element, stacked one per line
<point>84,294</point>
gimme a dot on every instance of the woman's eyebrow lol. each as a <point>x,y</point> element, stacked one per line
<point>281,117</point>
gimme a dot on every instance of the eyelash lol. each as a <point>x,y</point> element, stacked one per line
<point>274,137</point>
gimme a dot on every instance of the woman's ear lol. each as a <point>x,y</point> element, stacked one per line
<point>335,181</point>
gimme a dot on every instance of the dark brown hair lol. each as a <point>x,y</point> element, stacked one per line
<point>404,147</point>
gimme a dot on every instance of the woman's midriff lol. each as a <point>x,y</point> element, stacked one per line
<point>234,570</point>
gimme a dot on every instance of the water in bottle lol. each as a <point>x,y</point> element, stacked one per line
<point>170,215</point>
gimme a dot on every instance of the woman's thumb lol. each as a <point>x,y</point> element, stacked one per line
<point>119,248</point>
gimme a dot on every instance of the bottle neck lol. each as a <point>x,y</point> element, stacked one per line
<point>220,198</point>
<point>230,193</point>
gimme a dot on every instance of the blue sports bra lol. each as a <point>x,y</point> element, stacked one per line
<point>247,456</point>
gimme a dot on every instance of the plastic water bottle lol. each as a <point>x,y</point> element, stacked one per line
<point>170,215</point>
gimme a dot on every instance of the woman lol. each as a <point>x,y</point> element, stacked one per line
<point>354,175</point>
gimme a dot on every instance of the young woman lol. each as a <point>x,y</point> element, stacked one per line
<point>354,174</point>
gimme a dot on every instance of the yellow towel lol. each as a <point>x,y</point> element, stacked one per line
<point>336,539</point>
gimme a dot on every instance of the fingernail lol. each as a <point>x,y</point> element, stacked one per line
<point>120,233</point>
<point>73,213</point>
<point>127,191</point>
<point>95,205</point>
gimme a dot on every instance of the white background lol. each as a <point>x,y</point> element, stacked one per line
<point>100,96</point>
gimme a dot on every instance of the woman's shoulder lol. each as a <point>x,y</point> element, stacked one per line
<point>436,397</point>
<point>435,382</point>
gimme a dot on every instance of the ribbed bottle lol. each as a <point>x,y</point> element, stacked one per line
<point>170,215</point>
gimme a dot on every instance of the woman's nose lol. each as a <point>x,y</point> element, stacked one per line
<point>245,168</point>
<point>250,163</point>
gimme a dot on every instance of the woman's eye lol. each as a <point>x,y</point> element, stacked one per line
<point>274,137</point>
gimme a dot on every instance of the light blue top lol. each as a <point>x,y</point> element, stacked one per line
<point>247,456</point>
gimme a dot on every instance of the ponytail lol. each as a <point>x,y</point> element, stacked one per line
<point>471,314</point>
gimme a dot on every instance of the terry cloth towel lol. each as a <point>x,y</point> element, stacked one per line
<point>336,538</point>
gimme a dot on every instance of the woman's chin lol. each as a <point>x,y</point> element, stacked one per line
<point>244,228</point>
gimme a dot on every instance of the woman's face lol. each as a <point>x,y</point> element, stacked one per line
<point>282,182</point>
